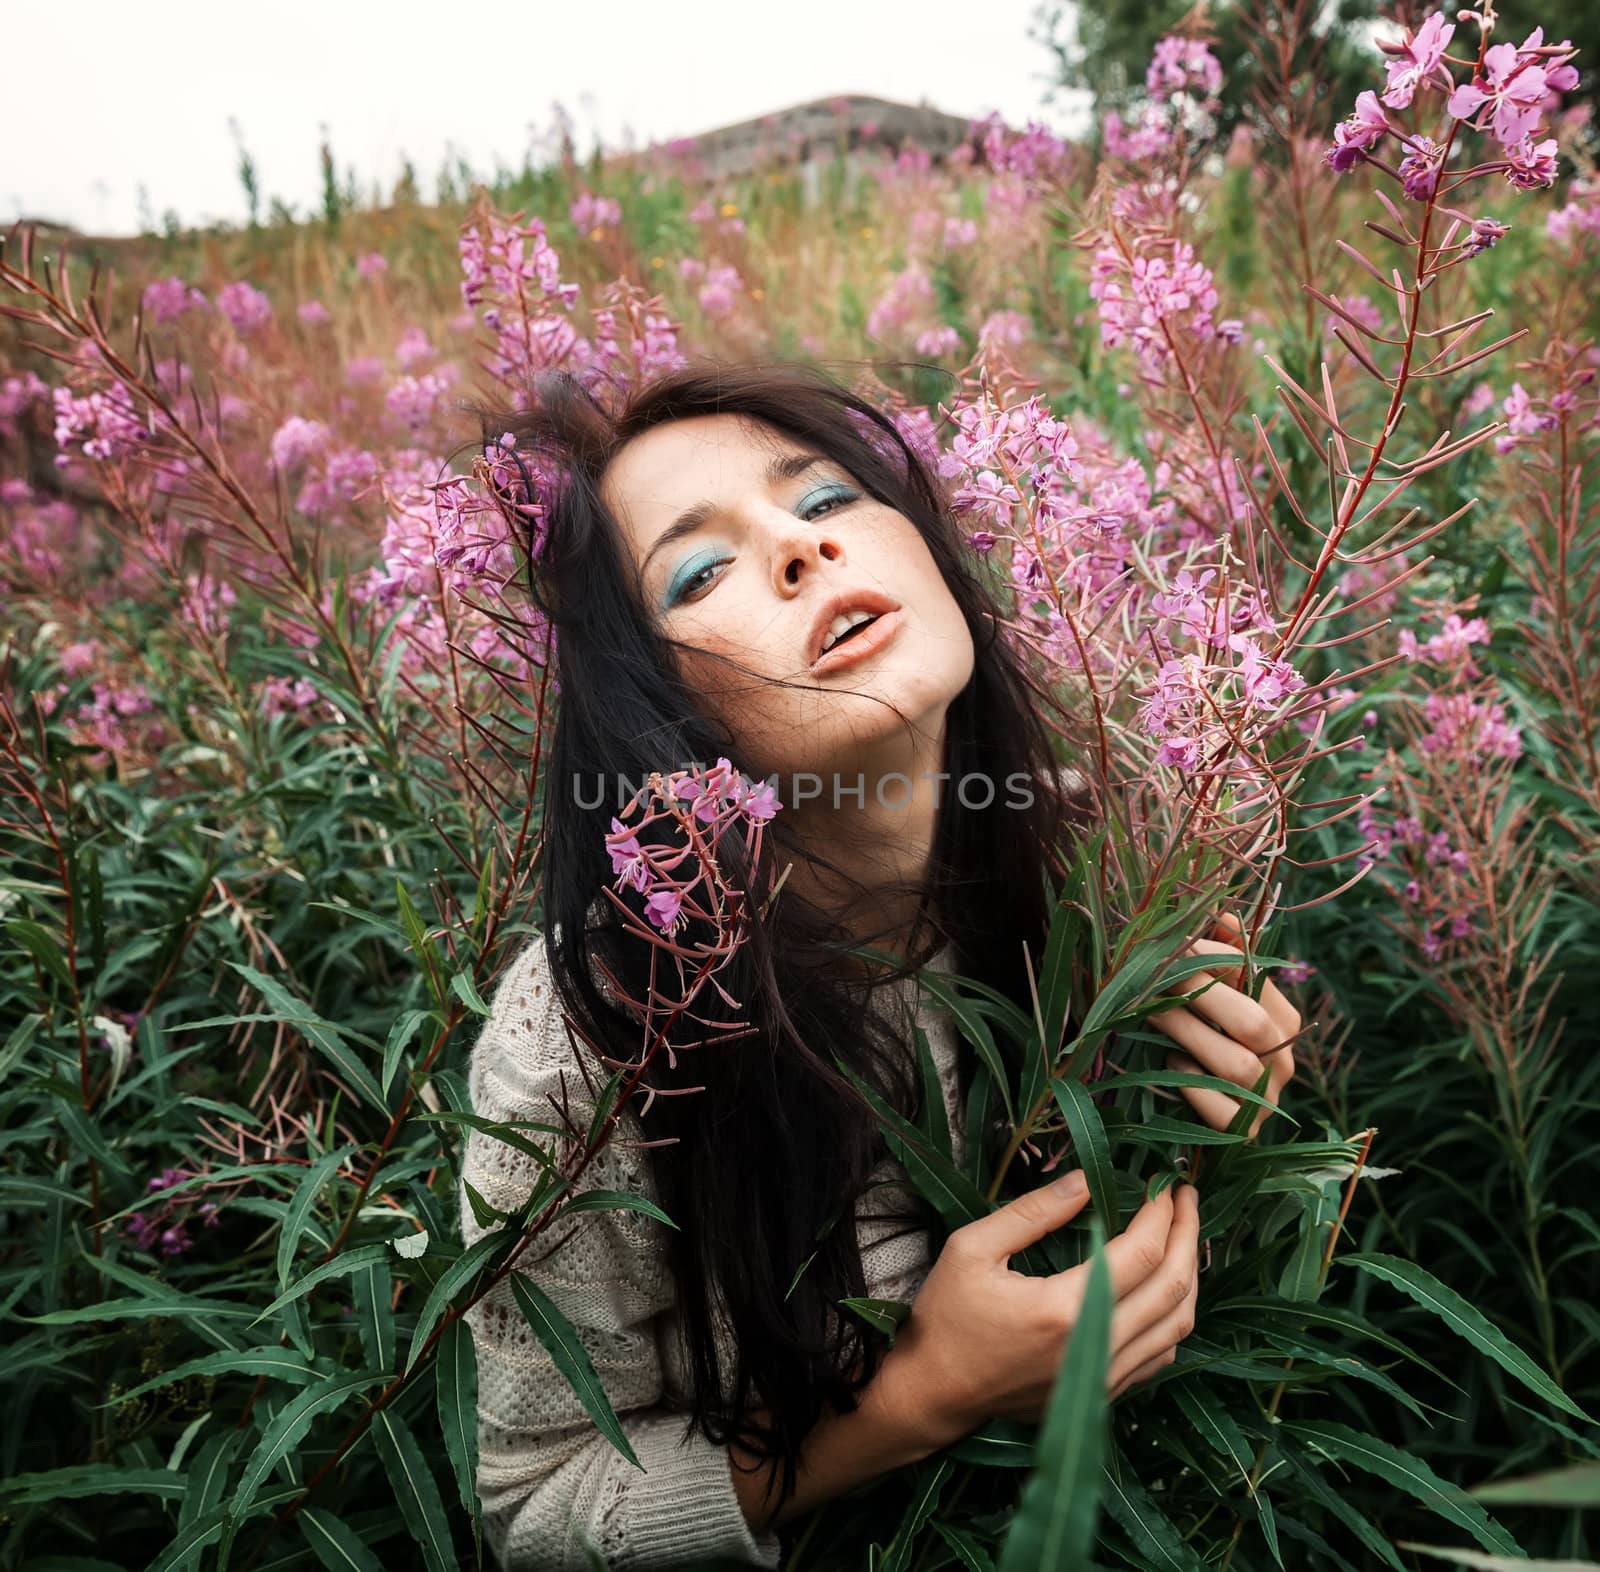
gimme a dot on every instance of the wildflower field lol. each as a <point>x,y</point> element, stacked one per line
<point>1279,447</point>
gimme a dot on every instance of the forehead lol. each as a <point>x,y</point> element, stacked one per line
<point>657,474</point>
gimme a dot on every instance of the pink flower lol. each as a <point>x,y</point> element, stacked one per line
<point>1419,169</point>
<point>664,908</point>
<point>168,298</point>
<point>1485,232</point>
<point>1417,59</point>
<point>1364,129</point>
<point>628,864</point>
<point>313,313</point>
<point>297,440</point>
<point>1515,85</point>
<point>1531,166</point>
<point>244,306</point>
<point>373,265</point>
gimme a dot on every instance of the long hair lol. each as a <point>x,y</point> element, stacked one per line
<point>778,1145</point>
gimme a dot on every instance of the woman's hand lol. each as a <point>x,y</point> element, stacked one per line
<point>984,1341</point>
<point>1229,1034</point>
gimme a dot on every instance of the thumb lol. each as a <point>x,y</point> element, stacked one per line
<point>1028,1218</point>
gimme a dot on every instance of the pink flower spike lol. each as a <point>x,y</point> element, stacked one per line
<point>1531,166</point>
<point>1364,129</point>
<point>761,803</point>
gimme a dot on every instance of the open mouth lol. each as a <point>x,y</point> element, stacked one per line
<point>857,623</point>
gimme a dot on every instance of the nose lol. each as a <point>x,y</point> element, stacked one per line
<point>798,549</point>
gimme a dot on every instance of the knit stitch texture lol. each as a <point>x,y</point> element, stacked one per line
<point>547,1477</point>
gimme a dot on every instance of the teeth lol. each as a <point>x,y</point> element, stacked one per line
<point>842,624</point>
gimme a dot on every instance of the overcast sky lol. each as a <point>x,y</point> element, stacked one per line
<point>102,96</point>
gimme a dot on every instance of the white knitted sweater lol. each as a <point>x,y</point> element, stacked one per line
<point>546,1475</point>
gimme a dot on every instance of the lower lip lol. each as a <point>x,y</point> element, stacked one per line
<point>867,642</point>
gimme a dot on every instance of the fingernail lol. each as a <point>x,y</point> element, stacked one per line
<point>1070,1184</point>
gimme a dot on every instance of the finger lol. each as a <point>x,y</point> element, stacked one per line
<point>1219,1053</point>
<point>1234,1012</point>
<point>1024,1220</point>
<point>1141,1247</point>
<point>1140,1376</point>
<point>1216,1108</point>
<point>1280,1009</point>
<point>1155,1348</point>
<point>1165,1291</point>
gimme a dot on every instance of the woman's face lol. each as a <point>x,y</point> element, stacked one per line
<point>754,547</point>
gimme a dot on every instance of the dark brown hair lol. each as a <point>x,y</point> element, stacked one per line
<point>778,1145</point>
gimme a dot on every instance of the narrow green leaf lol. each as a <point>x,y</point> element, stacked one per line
<point>324,1035</point>
<point>301,1202</point>
<point>336,1546</point>
<point>42,945</point>
<point>1211,1420</point>
<point>615,1201</point>
<point>1155,1536</point>
<point>282,1364</point>
<point>456,1389</point>
<point>1092,1150</point>
<point>1468,1322</point>
<point>1578,1486</point>
<point>208,1478</point>
<point>887,1315</point>
<point>973,1555</point>
<point>460,1271</point>
<point>1477,1561</point>
<point>342,1264</point>
<point>415,1490</point>
<point>400,1034</point>
<point>287,1428</point>
<point>932,1120</point>
<point>461,985</point>
<point>924,1498</point>
<point>973,1026</point>
<point>1054,1529</point>
<point>1406,1473</point>
<point>90,1479</point>
<point>372,1288</point>
<point>571,1358</point>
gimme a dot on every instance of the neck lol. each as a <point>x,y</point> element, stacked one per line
<point>874,820</point>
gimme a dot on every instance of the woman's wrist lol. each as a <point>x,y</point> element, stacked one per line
<point>915,1395</point>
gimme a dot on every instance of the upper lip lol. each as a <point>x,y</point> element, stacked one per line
<point>836,606</point>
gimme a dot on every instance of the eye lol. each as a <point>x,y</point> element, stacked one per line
<point>695,582</point>
<point>827,499</point>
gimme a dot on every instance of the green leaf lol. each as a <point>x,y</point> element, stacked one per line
<point>1093,1151</point>
<point>1054,1528</point>
<point>1002,1443</point>
<point>1211,1420</point>
<point>932,1120</point>
<point>571,1358</point>
<point>456,1389</point>
<point>1467,1322</point>
<point>954,1196</point>
<point>282,1364</point>
<point>973,1555</point>
<point>614,1201</point>
<point>300,1205</point>
<point>401,1033</point>
<point>973,1027</point>
<point>330,1039</point>
<point>1155,1536</point>
<point>887,1315</point>
<point>372,1289</point>
<point>415,1490</point>
<point>931,1479</point>
<point>461,985</point>
<point>208,1478</point>
<point>90,1479</point>
<point>1333,1502</point>
<point>1578,1486</point>
<point>287,1428</point>
<point>336,1546</point>
<point>460,1271</point>
<point>41,944</point>
<point>1476,1561</point>
<point>1406,1473</point>
<point>341,1265</point>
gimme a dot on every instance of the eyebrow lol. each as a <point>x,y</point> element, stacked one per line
<point>786,466</point>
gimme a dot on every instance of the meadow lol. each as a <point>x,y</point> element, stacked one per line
<point>1277,444</point>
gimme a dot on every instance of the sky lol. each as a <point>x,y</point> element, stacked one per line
<point>102,96</point>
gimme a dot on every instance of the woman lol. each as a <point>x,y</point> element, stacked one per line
<point>751,563</point>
